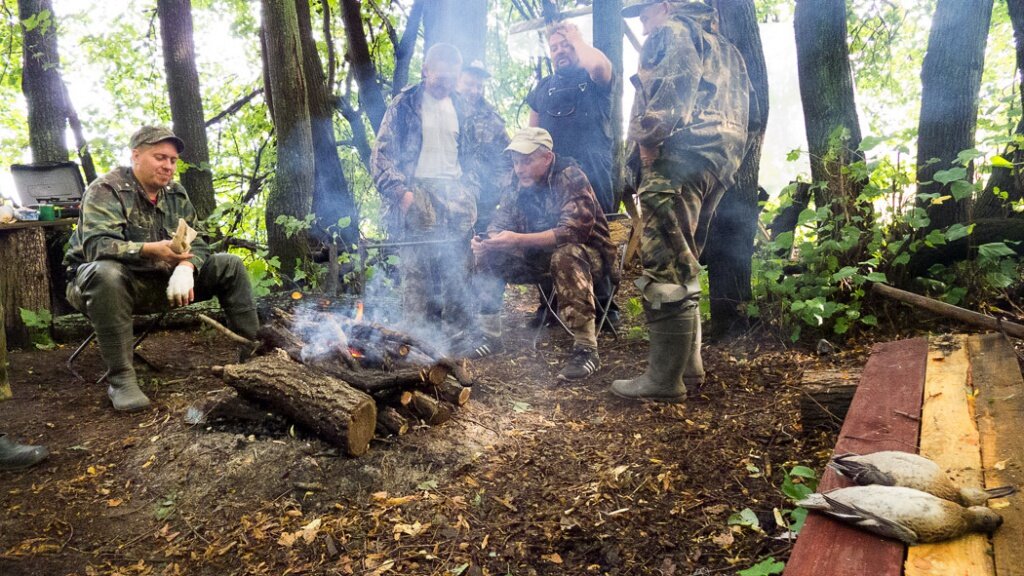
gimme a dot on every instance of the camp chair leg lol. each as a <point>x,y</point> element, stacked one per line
<point>92,336</point>
<point>548,299</point>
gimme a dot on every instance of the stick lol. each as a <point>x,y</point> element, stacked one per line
<point>226,331</point>
<point>949,311</point>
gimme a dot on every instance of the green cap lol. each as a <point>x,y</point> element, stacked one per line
<point>527,140</point>
<point>633,8</point>
<point>149,135</point>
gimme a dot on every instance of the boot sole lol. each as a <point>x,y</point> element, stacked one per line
<point>661,399</point>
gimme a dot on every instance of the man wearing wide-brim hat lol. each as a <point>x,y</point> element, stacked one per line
<point>549,223</point>
<point>687,138</point>
<point>122,259</point>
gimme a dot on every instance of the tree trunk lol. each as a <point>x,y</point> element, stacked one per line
<point>371,98</point>
<point>186,101</point>
<point>81,145</point>
<point>5,384</point>
<point>461,23</point>
<point>332,198</point>
<point>26,284</point>
<point>730,247</point>
<point>292,192</point>
<point>830,112</point>
<point>1009,180</point>
<point>950,82</point>
<point>323,404</point>
<point>41,82</point>
<point>407,47</point>
<point>608,30</point>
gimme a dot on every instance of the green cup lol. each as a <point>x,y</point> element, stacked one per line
<point>46,212</point>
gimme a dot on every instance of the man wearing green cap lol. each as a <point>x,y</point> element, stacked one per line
<point>688,136</point>
<point>121,258</point>
<point>548,223</point>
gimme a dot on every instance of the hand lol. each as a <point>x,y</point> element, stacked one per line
<point>505,241</point>
<point>407,199</point>
<point>179,289</point>
<point>570,31</point>
<point>161,252</point>
<point>648,156</point>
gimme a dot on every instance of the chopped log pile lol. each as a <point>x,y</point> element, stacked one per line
<point>346,380</point>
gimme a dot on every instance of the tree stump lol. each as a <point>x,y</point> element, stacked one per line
<point>826,398</point>
<point>24,279</point>
<point>5,384</point>
<point>323,404</point>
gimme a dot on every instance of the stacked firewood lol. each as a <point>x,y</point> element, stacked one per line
<point>347,381</point>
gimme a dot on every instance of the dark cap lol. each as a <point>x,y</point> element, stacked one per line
<point>149,135</point>
<point>477,67</point>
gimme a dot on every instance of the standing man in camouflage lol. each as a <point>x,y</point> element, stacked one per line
<point>420,165</point>
<point>549,222</point>
<point>689,132</point>
<point>488,162</point>
<point>120,258</point>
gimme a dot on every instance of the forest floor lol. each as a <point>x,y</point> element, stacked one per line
<point>533,476</point>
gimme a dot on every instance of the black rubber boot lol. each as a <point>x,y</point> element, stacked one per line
<point>14,456</point>
<point>122,386</point>
<point>673,334</point>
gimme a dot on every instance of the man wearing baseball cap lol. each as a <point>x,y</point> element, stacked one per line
<point>548,223</point>
<point>121,258</point>
<point>687,138</point>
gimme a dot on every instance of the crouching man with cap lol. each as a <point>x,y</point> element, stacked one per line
<point>548,223</point>
<point>120,258</point>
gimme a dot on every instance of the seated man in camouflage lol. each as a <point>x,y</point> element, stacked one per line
<point>120,258</point>
<point>548,223</point>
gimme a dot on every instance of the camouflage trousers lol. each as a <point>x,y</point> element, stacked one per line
<point>677,207</point>
<point>435,275</point>
<point>573,269</point>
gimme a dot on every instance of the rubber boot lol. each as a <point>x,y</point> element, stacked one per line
<point>672,331</point>
<point>14,456</point>
<point>122,386</point>
<point>693,370</point>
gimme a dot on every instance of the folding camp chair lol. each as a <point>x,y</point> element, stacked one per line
<point>621,229</point>
<point>138,341</point>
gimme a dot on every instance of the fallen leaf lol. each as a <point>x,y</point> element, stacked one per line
<point>724,540</point>
<point>114,502</point>
<point>1001,465</point>
<point>553,558</point>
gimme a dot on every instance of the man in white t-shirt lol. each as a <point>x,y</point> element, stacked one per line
<point>428,196</point>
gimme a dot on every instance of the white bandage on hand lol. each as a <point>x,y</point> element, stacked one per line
<point>179,289</point>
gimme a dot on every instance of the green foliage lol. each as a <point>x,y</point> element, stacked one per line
<point>767,567</point>
<point>38,323</point>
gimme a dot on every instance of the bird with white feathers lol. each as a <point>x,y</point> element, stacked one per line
<point>892,468</point>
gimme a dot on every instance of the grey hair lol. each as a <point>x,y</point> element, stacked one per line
<point>442,53</point>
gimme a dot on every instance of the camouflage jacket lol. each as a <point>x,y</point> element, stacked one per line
<point>692,95</point>
<point>398,144</point>
<point>486,158</point>
<point>565,203</point>
<point>117,218</point>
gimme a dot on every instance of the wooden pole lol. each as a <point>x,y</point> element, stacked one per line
<point>5,385</point>
<point>949,311</point>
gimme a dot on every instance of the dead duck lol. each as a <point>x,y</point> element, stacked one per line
<point>913,516</point>
<point>892,468</point>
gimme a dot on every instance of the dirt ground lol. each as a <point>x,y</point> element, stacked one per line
<point>533,476</point>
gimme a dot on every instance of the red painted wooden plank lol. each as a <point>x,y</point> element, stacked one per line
<point>884,415</point>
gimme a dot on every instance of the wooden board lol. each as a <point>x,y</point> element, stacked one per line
<point>996,375</point>
<point>884,415</point>
<point>949,436</point>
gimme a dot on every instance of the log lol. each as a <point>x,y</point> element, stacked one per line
<point>321,403</point>
<point>389,422</point>
<point>377,382</point>
<point>429,410</point>
<point>452,392</point>
<point>826,398</point>
<point>274,335</point>
<point>75,327</point>
<point>949,311</point>
<point>5,384</point>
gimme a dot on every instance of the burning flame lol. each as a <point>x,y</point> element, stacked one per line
<point>359,311</point>
<point>354,352</point>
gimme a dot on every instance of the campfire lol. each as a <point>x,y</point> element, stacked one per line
<point>346,379</point>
